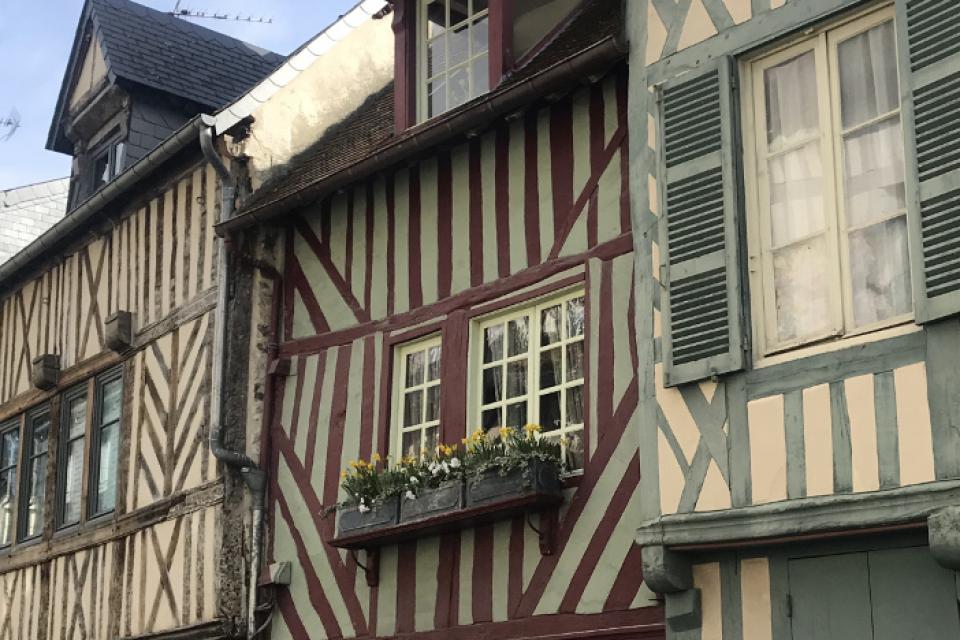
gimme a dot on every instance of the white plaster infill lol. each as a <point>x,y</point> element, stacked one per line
<point>297,62</point>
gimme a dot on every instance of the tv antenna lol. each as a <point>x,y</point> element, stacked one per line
<point>213,15</point>
<point>11,123</point>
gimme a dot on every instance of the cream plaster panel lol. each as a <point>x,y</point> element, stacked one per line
<point>755,598</point>
<point>714,495</point>
<point>92,71</point>
<point>818,440</point>
<point>768,450</point>
<point>697,27</point>
<point>671,476</point>
<point>861,408</point>
<point>678,416</point>
<point>656,35</point>
<point>913,424</point>
<point>706,577</point>
<point>323,94</point>
<point>740,10</point>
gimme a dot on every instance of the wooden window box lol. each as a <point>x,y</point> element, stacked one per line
<point>488,498</point>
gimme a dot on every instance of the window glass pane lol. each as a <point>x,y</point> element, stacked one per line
<point>119,156</point>
<point>492,385</point>
<point>436,17</point>
<point>550,325</point>
<point>9,449</point>
<point>433,364</point>
<point>575,317</point>
<point>459,86</point>
<point>436,56</point>
<point>413,408</point>
<point>8,503</point>
<point>796,195</point>
<point>458,45</point>
<point>792,107</point>
<point>550,368</point>
<point>41,428</point>
<point>479,5</point>
<point>517,415</point>
<point>433,403</point>
<point>479,36</point>
<point>437,96</point>
<point>101,171</point>
<point>868,75</point>
<point>873,172</point>
<point>518,331</point>
<point>73,476</point>
<point>517,379</point>
<point>431,439</point>
<point>36,492</point>
<point>493,343</point>
<point>480,72</point>
<point>458,11</point>
<point>411,444</point>
<point>414,369</point>
<point>574,451</point>
<point>880,272</point>
<point>107,469</point>
<point>550,411</point>
<point>575,361</point>
<point>78,418</point>
<point>802,299</point>
<point>575,405</point>
<point>490,418</point>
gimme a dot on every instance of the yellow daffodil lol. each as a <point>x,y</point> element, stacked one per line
<point>343,474</point>
<point>532,429</point>
<point>375,458</point>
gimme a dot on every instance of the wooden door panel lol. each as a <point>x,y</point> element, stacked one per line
<point>830,598</point>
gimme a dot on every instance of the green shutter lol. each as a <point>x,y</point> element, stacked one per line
<point>699,236</point>
<point>929,36</point>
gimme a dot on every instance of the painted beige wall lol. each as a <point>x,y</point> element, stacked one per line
<point>93,70</point>
<point>323,94</point>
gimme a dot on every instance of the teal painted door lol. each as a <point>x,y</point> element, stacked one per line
<point>892,594</point>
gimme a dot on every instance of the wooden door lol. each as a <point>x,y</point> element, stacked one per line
<point>890,594</point>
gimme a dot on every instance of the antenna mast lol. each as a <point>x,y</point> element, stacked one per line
<point>11,122</point>
<point>213,15</point>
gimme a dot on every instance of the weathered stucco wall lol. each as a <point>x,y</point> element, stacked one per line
<point>323,94</point>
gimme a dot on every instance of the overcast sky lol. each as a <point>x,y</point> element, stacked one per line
<point>35,40</point>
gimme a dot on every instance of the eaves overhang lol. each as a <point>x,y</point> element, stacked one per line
<point>467,120</point>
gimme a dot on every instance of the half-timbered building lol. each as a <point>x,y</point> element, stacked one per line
<point>471,209</point>
<point>117,517</point>
<point>797,315</point>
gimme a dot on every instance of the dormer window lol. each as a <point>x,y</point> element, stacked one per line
<point>454,37</point>
<point>107,164</point>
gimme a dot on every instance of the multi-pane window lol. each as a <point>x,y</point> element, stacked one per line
<point>418,428</point>
<point>530,369</point>
<point>9,454</point>
<point>73,432</point>
<point>106,437</point>
<point>34,475</point>
<point>829,243</point>
<point>454,54</point>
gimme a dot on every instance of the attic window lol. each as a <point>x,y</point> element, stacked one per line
<point>454,54</point>
<point>107,165</point>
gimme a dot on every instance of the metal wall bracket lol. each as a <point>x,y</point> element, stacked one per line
<point>371,569</point>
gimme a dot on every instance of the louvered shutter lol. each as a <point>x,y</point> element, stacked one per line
<point>699,236</point>
<point>929,36</point>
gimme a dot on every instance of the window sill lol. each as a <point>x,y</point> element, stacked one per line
<point>904,327</point>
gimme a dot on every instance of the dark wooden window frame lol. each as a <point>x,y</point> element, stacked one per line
<point>96,439</point>
<point>406,77</point>
<point>454,332</point>
<point>12,426</point>
<point>107,148</point>
<point>28,460</point>
<point>64,441</point>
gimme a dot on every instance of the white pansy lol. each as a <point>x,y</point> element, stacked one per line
<point>414,481</point>
<point>455,463</point>
<point>410,495</point>
<point>363,508</point>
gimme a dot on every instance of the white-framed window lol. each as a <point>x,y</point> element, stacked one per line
<point>824,175</point>
<point>417,422</point>
<point>528,368</point>
<point>453,52</point>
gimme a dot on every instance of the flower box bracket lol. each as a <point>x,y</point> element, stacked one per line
<point>371,566</point>
<point>547,531</point>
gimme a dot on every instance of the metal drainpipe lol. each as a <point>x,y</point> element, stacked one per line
<point>253,476</point>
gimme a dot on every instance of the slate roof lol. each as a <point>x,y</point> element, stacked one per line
<point>368,129</point>
<point>161,51</point>
<point>27,212</point>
